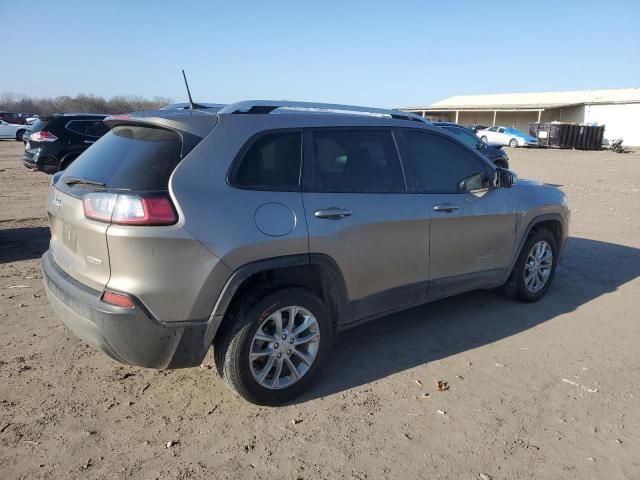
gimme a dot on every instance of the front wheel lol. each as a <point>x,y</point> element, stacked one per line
<point>484,139</point>
<point>535,268</point>
<point>513,143</point>
<point>273,346</point>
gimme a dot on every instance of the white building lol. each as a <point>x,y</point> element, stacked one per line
<point>617,109</point>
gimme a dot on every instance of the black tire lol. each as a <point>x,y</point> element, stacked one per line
<point>513,143</point>
<point>20,134</point>
<point>233,343</point>
<point>501,164</point>
<point>515,286</point>
<point>484,139</point>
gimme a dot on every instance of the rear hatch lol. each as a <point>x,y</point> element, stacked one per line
<point>35,143</point>
<point>123,178</point>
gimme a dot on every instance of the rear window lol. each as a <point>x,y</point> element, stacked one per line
<point>131,158</point>
<point>39,124</point>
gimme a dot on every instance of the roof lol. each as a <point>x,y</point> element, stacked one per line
<point>537,100</point>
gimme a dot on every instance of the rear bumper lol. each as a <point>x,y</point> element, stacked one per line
<point>128,336</point>
<point>33,159</point>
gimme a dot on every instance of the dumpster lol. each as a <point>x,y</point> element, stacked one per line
<point>567,135</point>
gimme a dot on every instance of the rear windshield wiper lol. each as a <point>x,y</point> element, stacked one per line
<point>82,181</point>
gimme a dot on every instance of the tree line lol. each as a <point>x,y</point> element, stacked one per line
<point>12,102</point>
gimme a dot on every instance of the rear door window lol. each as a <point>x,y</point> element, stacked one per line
<point>356,161</point>
<point>130,158</point>
<point>439,165</point>
<point>272,162</point>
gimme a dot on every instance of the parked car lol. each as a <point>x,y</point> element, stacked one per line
<point>56,141</point>
<point>493,152</point>
<point>507,136</point>
<point>179,230</point>
<point>12,118</point>
<point>475,128</point>
<point>31,119</point>
<point>12,131</point>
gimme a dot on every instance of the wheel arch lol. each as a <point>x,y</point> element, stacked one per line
<point>552,222</point>
<point>318,273</point>
<point>67,159</point>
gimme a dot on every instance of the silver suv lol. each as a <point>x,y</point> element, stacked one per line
<point>265,228</point>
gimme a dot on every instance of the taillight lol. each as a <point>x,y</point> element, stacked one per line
<point>118,299</point>
<point>42,136</point>
<point>124,209</point>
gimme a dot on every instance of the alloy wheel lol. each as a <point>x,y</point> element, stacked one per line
<point>284,347</point>
<point>537,268</point>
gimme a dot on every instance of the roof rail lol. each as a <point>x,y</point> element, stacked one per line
<point>278,107</point>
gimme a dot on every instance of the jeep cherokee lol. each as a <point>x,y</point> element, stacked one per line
<point>265,228</point>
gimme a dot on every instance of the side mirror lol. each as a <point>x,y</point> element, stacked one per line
<point>505,178</point>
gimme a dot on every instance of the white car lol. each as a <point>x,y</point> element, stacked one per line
<point>10,130</point>
<point>507,136</point>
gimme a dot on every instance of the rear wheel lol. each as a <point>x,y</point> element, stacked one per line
<point>20,134</point>
<point>535,268</point>
<point>513,143</point>
<point>273,345</point>
<point>484,139</point>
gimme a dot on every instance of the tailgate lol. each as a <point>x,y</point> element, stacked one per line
<point>78,245</point>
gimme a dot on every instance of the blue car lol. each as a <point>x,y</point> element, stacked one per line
<point>507,136</point>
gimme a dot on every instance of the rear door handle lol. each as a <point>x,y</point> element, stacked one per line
<point>332,213</point>
<point>445,207</point>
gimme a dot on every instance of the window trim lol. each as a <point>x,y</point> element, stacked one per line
<point>309,170</point>
<point>406,158</point>
<point>247,146</point>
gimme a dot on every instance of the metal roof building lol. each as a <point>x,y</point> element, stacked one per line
<point>617,109</point>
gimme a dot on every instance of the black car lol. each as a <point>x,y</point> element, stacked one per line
<point>57,140</point>
<point>495,153</point>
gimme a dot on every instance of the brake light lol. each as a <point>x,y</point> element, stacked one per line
<point>124,209</point>
<point>118,299</point>
<point>42,136</point>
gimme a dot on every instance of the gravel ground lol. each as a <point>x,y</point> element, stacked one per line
<point>546,390</point>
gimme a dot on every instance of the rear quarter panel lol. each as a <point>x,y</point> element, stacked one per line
<point>223,217</point>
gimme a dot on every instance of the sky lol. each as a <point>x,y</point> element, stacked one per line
<point>376,53</point>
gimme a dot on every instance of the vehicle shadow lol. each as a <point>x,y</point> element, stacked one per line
<point>23,243</point>
<point>404,340</point>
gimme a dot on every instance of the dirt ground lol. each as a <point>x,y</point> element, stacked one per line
<point>545,390</point>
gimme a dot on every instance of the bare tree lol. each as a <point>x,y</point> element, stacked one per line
<point>13,102</point>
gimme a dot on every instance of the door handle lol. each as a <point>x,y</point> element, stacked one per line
<point>89,141</point>
<point>332,213</point>
<point>445,207</point>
